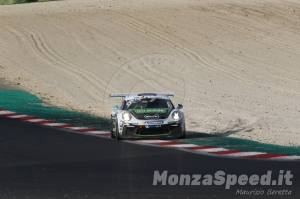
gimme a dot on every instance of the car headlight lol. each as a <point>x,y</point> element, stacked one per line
<point>176,115</point>
<point>126,116</point>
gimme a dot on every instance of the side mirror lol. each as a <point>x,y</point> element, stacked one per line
<point>115,107</point>
<point>179,106</point>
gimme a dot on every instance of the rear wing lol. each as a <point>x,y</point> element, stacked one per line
<point>140,94</point>
<point>118,94</point>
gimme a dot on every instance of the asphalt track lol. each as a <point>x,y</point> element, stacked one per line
<point>45,162</point>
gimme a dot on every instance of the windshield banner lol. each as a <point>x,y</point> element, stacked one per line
<point>149,110</point>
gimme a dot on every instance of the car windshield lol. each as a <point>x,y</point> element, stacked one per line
<point>148,103</point>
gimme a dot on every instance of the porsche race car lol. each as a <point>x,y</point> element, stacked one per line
<point>147,115</point>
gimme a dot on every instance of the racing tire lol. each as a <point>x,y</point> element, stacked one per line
<point>112,134</point>
<point>117,136</point>
<point>111,131</point>
<point>183,135</point>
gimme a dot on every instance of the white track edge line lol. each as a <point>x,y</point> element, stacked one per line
<point>18,116</point>
<point>7,112</point>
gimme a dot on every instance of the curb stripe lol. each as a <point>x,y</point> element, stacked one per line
<point>169,143</point>
<point>202,147</point>
<point>18,116</point>
<point>244,154</point>
<point>55,124</point>
<point>45,122</point>
<point>76,128</point>
<point>268,155</point>
<point>66,126</point>
<point>28,118</point>
<point>182,145</point>
<point>228,152</point>
<point>35,120</point>
<point>86,130</point>
<point>212,150</point>
<point>164,143</point>
<point>5,112</point>
<point>150,141</point>
<point>97,132</point>
<point>292,157</point>
<point>9,114</point>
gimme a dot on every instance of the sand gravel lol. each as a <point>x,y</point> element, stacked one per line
<point>234,65</point>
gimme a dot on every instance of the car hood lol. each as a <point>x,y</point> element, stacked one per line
<point>150,113</point>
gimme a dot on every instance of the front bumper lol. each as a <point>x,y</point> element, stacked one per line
<point>161,131</point>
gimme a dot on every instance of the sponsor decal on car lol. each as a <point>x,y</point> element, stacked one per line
<point>151,97</point>
<point>149,110</point>
<point>148,116</point>
<point>154,122</point>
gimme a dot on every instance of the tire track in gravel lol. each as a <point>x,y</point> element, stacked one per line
<point>89,29</point>
<point>264,39</point>
<point>157,20</point>
<point>39,49</point>
<point>85,27</point>
<point>130,71</point>
<point>133,23</point>
<point>139,77</point>
<point>236,12</point>
<point>3,41</point>
<point>4,45</point>
<point>51,57</point>
<point>244,27</point>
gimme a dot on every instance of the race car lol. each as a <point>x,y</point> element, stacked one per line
<point>147,115</point>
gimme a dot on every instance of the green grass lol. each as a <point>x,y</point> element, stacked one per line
<point>9,2</point>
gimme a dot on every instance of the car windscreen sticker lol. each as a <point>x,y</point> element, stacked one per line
<point>149,110</point>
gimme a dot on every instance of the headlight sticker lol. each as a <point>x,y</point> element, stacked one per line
<point>176,115</point>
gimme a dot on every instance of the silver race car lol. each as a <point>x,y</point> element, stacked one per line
<point>146,115</point>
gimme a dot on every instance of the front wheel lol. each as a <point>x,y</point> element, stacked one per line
<point>117,135</point>
<point>183,135</point>
<point>113,126</point>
